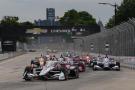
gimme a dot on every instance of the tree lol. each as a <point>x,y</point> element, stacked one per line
<point>10,20</point>
<point>124,12</point>
<point>27,23</point>
<point>85,18</point>
<point>70,18</point>
<point>74,18</point>
<point>11,29</point>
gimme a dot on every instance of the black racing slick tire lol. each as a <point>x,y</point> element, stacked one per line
<point>65,73</point>
<point>26,78</point>
<point>77,74</point>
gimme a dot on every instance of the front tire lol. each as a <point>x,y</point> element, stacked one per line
<point>26,78</point>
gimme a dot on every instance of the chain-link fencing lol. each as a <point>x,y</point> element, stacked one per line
<point>117,41</point>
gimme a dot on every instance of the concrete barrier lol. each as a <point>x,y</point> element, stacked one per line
<point>10,55</point>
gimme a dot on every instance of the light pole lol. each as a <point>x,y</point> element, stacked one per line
<point>115,8</point>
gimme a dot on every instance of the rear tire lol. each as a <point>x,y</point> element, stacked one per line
<point>94,69</point>
<point>77,74</point>
<point>118,69</point>
<point>118,64</point>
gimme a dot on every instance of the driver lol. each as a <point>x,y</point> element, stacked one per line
<point>61,59</point>
<point>41,62</point>
<point>106,59</point>
<point>99,57</point>
<point>70,60</point>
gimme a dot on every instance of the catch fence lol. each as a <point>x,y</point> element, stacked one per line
<point>117,41</point>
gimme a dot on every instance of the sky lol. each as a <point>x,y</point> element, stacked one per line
<point>30,10</point>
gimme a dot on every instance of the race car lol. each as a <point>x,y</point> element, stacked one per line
<point>90,64</point>
<point>87,59</point>
<point>81,64</point>
<point>44,70</point>
<point>106,64</point>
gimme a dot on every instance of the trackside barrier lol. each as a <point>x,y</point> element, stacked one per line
<point>117,41</point>
<point>10,55</point>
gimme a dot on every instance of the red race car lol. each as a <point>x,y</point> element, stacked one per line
<point>81,64</point>
<point>87,59</point>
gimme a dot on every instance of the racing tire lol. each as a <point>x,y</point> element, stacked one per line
<point>27,70</point>
<point>118,69</point>
<point>118,64</point>
<point>26,78</point>
<point>77,76</point>
<point>65,73</point>
<point>66,77</point>
<point>94,69</point>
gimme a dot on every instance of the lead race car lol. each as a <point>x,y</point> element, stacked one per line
<point>44,70</point>
<point>106,64</point>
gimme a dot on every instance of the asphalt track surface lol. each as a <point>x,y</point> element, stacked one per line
<point>11,78</point>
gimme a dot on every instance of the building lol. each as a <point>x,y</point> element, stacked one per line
<point>50,19</point>
<point>50,16</point>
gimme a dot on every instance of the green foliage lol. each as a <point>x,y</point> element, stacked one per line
<point>12,29</point>
<point>124,12</point>
<point>74,18</point>
<point>85,18</point>
<point>27,23</point>
<point>10,20</point>
<point>111,23</point>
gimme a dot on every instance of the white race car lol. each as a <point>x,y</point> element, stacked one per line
<point>49,70</point>
<point>106,64</point>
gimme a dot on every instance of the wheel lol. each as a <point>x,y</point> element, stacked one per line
<point>94,69</point>
<point>118,64</point>
<point>118,69</point>
<point>66,76</point>
<point>27,71</point>
<point>65,72</point>
<point>77,74</point>
<point>26,78</point>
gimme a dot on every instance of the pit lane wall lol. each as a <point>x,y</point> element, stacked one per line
<point>118,42</point>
